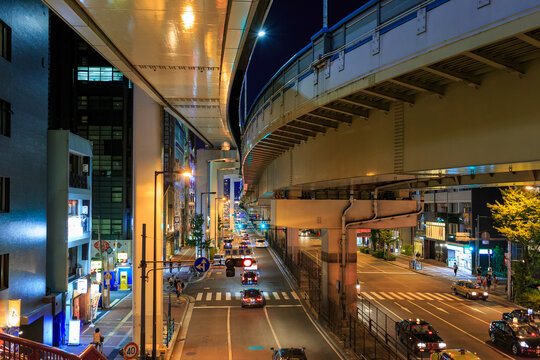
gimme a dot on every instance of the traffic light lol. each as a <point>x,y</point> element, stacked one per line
<point>263,226</point>
<point>230,264</point>
<point>247,262</point>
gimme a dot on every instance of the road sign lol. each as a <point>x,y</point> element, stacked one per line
<point>201,264</point>
<point>131,350</point>
<point>104,245</point>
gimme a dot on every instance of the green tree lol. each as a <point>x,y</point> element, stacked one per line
<point>498,264</point>
<point>383,238</point>
<point>518,219</point>
<point>196,237</point>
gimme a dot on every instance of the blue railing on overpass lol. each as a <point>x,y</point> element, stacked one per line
<point>351,32</point>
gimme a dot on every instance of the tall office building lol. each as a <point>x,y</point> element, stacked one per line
<point>94,100</point>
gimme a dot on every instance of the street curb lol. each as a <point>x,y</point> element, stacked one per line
<point>190,300</point>
<point>288,276</point>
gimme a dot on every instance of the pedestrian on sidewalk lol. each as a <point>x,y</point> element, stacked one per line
<point>455,269</point>
<point>484,283</point>
<point>479,271</point>
<point>98,340</point>
<point>179,288</point>
<point>488,281</point>
<point>495,281</point>
<point>479,280</point>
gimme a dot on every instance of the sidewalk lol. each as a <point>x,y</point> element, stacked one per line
<point>435,268</point>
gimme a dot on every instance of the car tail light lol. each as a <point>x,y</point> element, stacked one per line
<point>259,298</point>
<point>255,278</point>
<point>245,299</point>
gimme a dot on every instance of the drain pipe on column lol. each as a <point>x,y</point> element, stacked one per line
<point>343,253</point>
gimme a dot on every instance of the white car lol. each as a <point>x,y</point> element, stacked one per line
<point>260,243</point>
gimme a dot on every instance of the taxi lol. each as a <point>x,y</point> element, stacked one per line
<point>468,289</point>
<point>454,354</point>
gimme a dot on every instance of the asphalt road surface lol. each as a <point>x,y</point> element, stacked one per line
<point>220,329</point>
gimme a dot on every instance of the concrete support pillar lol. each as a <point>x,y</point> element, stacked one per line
<point>338,293</point>
<point>147,158</point>
<point>292,244</point>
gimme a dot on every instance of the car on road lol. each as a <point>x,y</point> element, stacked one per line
<point>469,289</point>
<point>418,335</point>
<point>289,354</point>
<point>252,298</point>
<point>454,354</point>
<point>260,243</point>
<point>227,244</point>
<point>523,316</point>
<point>519,338</point>
<point>250,278</point>
<point>243,245</point>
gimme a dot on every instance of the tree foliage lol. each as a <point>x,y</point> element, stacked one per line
<point>196,237</point>
<point>383,238</point>
<point>518,219</point>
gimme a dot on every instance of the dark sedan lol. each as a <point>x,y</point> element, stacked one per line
<point>252,298</point>
<point>519,338</point>
<point>250,278</point>
<point>419,335</point>
<point>523,316</point>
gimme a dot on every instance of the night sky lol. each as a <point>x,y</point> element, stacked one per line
<point>289,27</point>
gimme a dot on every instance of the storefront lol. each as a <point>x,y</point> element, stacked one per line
<point>459,254</point>
<point>363,237</point>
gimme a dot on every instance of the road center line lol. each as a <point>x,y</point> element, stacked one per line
<point>463,331</point>
<point>229,332</point>
<point>118,326</point>
<point>466,313</point>
<point>403,307</point>
<point>271,329</point>
<point>438,308</point>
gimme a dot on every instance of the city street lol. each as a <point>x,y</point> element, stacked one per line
<point>220,328</point>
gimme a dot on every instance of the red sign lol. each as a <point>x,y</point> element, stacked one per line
<point>104,245</point>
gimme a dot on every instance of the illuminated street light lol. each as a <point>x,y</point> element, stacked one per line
<point>529,188</point>
<point>261,33</point>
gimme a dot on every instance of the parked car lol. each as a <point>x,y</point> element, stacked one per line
<point>289,354</point>
<point>519,338</point>
<point>418,335</point>
<point>454,354</point>
<point>468,289</point>
<point>523,316</point>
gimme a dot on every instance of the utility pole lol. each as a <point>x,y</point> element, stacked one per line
<point>325,14</point>
<point>143,293</point>
<point>509,273</point>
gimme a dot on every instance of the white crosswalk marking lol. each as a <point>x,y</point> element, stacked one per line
<point>448,297</point>
<point>415,296</point>
<point>228,296</point>
<point>218,296</point>
<point>208,296</point>
<point>437,297</point>
<point>386,295</point>
<point>199,297</point>
<point>285,296</point>
<point>276,295</point>
<point>377,295</point>
<point>267,296</point>
<point>395,295</point>
<point>294,295</point>
<point>368,296</point>
<point>405,296</point>
<point>237,295</point>
<point>424,296</point>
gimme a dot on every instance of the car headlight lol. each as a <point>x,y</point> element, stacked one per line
<point>421,345</point>
<point>523,344</point>
<point>473,293</point>
<point>485,294</point>
<point>442,345</point>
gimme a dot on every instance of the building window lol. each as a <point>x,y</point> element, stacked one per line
<point>4,195</point>
<point>5,41</point>
<point>4,271</point>
<point>5,118</point>
<point>96,73</point>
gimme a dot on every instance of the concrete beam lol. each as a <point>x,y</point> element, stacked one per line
<point>495,62</point>
<point>348,111</point>
<point>286,134</point>
<point>388,95</point>
<point>299,131</point>
<point>310,119</point>
<point>414,85</point>
<point>306,126</point>
<point>453,75</point>
<point>331,117</point>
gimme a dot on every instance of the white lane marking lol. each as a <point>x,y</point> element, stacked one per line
<point>114,302</point>
<point>118,326</point>
<point>466,313</point>
<point>385,272</point>
<point>446,296</point>
<point>403,307</point>
<point>218,296</point>
<point>228,296</point>
<point>424,295</point>
<point>229,332</point>
<point>390,311</point>
<point>208,296</point>
<point>271,328</point>
<point>368,296</point>
<point>237,295</point>
<point>266,295</point>
<point>199,297</point>
<point>395,295</point>
<point>295,295</point>
<point>415,296</point>
<point>435,296</point>
<point>285,296</point>
<point>284,306</point>
<point>438,308</point>
<point>463,331</point>
<point>475,309</point>
<point>276,295</point>
<point>377,296</point>
<point>386,295</point>
<point>405,295</point>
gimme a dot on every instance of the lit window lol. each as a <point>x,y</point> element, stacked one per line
<point>94,74</point>
<point>82,73</point>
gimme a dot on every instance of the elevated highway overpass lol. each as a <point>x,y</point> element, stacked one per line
<point>441,93</point>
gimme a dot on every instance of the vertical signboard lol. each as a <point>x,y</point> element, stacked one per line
<point>14,313</point>
<point>227,188</point>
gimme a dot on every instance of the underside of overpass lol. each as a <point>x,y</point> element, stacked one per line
<point>459,114</point>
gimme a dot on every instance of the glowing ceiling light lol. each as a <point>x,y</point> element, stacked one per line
<point>261,33</point>
<point>188,18</point>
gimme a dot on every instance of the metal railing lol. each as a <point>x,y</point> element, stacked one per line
<point>353,31</point>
